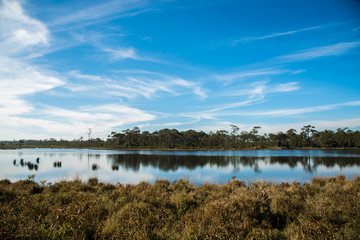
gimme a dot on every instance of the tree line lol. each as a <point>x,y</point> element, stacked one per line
<point>134,138</point>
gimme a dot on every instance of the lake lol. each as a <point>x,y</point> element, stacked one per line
<point>198,166</point>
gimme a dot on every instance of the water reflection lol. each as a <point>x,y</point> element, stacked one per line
<point>167,163</point>
<point>199,167</point>
<point>115,167</point>
<point>57,164</point>
<point>95,167</point>
<point>29,165</point>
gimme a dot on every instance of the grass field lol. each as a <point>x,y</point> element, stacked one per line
<point>326,208</point>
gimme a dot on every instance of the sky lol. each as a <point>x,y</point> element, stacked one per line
<point>70,65</point>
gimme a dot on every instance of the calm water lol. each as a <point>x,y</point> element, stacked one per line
<point>197,166</point>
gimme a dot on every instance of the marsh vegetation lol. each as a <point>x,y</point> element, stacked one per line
<point>326,208</point>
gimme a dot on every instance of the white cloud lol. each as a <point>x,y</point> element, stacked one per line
<point>74,26</point>
<point>287,112</point>
<point>133,84</point>
<point>312,53</point>
<point>105,10</point>
<point>285,87</point>
<point>78,116</point>
<point>20,80</point>
<point>132,88</point>
<point>241,75</point>
<point>257,96</point>
<point>349,122</point>
<point>255,92</point>
<point>261,88</point>
<point>218,113</point>
<point>213,113</point>
<point>26,37</point>
<point>290,112</point>
<point>78,74</point>
<point>195,86</point>
<point>352,123</point>
<point>123,53</point>
<point>58,122</point>
<point>320,125</point>
<point>252,99</point>
<point>17,80</point>
<point>121,113</point>
<point>272,35</point>
<point>19,31</point>
<point>17,77</point>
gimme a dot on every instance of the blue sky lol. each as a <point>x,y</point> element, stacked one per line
<point>66,66</point>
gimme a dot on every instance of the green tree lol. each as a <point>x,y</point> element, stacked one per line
<point>307,131</point>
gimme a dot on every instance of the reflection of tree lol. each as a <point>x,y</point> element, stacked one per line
<point>166,162</point>
<point>248,161</point>
<point>310,164</point>
<point>174,162</point>
<point>307,162</point>
<point>340,161</point>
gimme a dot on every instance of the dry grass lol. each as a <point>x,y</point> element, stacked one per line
<point>326,208</point>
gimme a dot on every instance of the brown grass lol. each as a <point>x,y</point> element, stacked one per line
<point>326,208</point>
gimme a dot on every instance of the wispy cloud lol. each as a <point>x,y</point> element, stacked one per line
<point>254,93</point>
<point>352,123</point>
<point>59,122</point>
<point>123,53</point>
<point>132,84</point>
<point>261,88</point>
<point>75,26</point>
<point>105,10</point>
<point>312,53</point>
<point>248,74</point>
<point>18,78</point>
<point>100,116</point>
<point>197,89</point>
<point>273,35</point>
<point>19,32</point>
<point>79,75</point>
<point>286,33</point>
<point>349,122</point>
<point>245,74</point>
<point>21,80</point>
<point>285,87</point>
<point>294,111</point>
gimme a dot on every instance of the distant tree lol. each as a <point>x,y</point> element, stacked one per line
<point>245,136</point>
<point>234,129</point>
<point>222,139</point>
<point>254,134</point>
<point>326,139</point>
<point>306,132</point>
<point>21,142</point>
